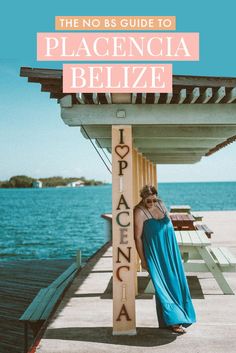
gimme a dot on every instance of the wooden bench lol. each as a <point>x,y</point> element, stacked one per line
<point>195,246</point>
<point>45,301</point>
<point>197,216</point>
<point>205,229</point>
<point>180,208</point>
<point>182,221</point>
<point>224,258</point>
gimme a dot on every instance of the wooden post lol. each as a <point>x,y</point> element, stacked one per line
<point>135,201</point>
<point>123,246</point>
<point>155,175</point>
<point>148,172</point>
<point>151,173</point>
<point>135,176</point>
<point>144,172</point>
<point>139,186</point>
<point>79,258</point>
<point>140,166</point>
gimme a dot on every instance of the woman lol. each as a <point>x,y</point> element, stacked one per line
<point>159,253</point>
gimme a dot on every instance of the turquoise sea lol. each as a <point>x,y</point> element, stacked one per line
<point>55,222</point>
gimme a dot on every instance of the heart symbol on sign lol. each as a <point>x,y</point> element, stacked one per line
<point>122,151</point>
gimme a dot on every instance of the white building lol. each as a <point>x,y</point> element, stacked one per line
<point>37,184</point>
<point>74,184</point>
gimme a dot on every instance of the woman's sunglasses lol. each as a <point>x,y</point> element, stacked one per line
<point>151,200</point>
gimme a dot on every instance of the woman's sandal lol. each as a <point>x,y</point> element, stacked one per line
<point>178,329</point>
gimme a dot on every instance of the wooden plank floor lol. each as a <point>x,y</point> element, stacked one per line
<point>83,321</point>
<point>19,283</point>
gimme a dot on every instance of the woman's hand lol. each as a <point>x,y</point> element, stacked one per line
<point>144,265</point>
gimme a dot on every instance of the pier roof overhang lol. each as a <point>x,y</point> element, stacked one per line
<point>196,120</point>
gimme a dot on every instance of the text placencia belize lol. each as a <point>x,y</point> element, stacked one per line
<point>117,47</point>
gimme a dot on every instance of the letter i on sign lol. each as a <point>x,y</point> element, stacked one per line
<point>121,142</point>
<point>121,136</point>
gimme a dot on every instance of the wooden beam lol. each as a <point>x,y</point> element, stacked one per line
<point>164,160</point>
<point>222,145</point>
<point>184,157</point>
<point>182,96</point>
<point>164,142</point>
<point>144,97</point>
<point>134,97</point>
<point>40,73</point>
<point>108,98</point>
<point>175,157</point>
<point>231,96</point>
<point>194,95</point>
<point>203,81</point>
<point>118,98</point>
<point>219,95</point>
<point>169,98</point>
<point>80,97</point>
<point>95,98</point>
<point>179,80</point>
<point>207,95</point>
<point>57,82</point>
<point>154,156</point>
<point>51,88</point>
<point>66,102</point>
<point>156,97</point>
<point>150,114</point>
<point>154,133</point>
<point>167,151</point>
<point>58,95</point>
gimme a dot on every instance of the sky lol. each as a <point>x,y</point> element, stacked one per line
<point>34,140</point>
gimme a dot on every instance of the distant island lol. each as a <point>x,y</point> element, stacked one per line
<point>23,181</point>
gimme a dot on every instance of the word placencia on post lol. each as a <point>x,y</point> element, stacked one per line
<point>122,230</point>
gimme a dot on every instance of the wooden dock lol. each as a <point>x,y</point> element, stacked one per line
<point>82,323</point>
<point>19,283</point>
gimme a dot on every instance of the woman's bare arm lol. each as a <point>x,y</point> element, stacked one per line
<point>138,229</point>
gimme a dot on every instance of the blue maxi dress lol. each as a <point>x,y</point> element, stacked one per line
<point>173,300</point>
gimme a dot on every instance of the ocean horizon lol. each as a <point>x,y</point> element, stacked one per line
<point>53,223</point>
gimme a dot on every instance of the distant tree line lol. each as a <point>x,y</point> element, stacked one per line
<point>23,181</point>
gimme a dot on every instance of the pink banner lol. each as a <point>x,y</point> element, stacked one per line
<point>102,46</point>
<point>88,78</point>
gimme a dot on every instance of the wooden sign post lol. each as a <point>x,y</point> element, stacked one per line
<point>123,245</point>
